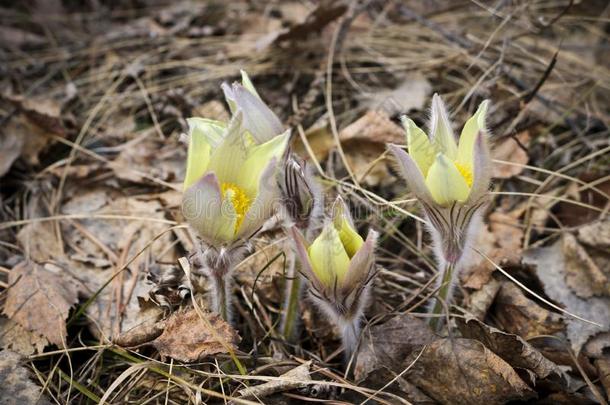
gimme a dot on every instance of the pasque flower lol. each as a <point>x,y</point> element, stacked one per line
<point>230,187</point>
<point>451,180</point>
<point>339,266</point>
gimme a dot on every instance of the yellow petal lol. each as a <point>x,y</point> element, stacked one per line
<point>472,127</point>
<point>349,238</point>
<point>445,182</point>
<point>258,157</point>
<point>203,136</point>
<point>328,258</point>
<point>228,158</point>
<point>341,220</point>
<point>420,147</point>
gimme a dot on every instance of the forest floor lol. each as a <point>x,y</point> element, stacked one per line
<point>94,96</point>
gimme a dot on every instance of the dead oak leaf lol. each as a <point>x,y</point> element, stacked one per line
<point>39,300</point>
<point>551,266</point>
<point>186,337</point>
<point>511,348</point>
<point>516,313</point>
<point>464,371</point>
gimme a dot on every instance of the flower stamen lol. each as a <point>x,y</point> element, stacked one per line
<point>241,202</point>
<point>465,172</point>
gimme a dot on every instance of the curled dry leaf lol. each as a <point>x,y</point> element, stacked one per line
<point>39,300</point>
<point>464,371</point>
<point>15,385</point>
<point>551,265</point>
<point>186,337</point>
<point>511,348</point>
<point>516,313</point>
<point>296,378</point>
<point>387,344</point>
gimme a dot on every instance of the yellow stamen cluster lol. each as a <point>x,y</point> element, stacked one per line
<point>240,201</point>
<point>465,172</point>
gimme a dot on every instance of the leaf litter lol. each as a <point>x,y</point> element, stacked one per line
<point>104,269</point>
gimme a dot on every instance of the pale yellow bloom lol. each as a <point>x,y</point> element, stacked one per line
<point>228,194</point>
<point>338,260</point>
<point>447,167</point>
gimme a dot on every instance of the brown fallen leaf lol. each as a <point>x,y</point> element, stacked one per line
<point>550,266</point>
<point>387,344</point>
<point>16,338</point>
<point>463,371</point>
<point>39,300</point>
<point>16,388</point>
<point>501,241</point>
<point>512,349</point>
<point>509,150</point>
<point>44,112</point>
<point>582,274</point>
<point>296,378</point>
<point>116,308</point>
<point>186,337</point>
<point>516,313</point>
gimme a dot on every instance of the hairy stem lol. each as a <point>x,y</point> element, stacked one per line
<point>349,338</point>
<point>220,297</point>
<point>443,295</point>
<point>291,303</point>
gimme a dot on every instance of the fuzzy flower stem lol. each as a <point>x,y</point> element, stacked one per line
<point>443,295</point>
<point>291,305</point>
<point>221,301</point>
<point>349,338</point>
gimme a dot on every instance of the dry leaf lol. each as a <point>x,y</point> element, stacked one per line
<point>16,338</point>
<point>411,94</point>
<point>501,241</point>
<point>39,300</point>
<point>509,150</point>
<point>511,348</point>
<point>134,161</point>
<point>582,274</point>
<point>116,309</point>
<point>464,371</point>
<point>389,343</point>
<point>517,314</point>
<point>16,388</point>
<point>550,266</point>
<point>188,338</point>
<point>365,140</point>
<point>44,112</point>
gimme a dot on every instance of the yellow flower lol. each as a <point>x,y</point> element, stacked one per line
<point>229,186</point>
<point>450,179</point>
<point>338,260</point>
<point>438,167</point>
